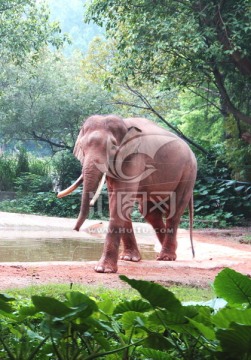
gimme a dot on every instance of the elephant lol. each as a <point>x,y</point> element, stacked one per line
<point>142,163</point>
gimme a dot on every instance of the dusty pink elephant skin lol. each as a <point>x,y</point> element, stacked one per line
<point>144,163</point>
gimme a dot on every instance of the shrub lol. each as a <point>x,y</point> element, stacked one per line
<point>7,172</point>
<point>33,183</point>
<point>66,168</point>
<point>154,326</point>
<point>40,166</point>
<point>227,202</point>
<point>22,162</point>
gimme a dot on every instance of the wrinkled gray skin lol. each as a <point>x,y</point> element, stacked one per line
<point>139,157</point>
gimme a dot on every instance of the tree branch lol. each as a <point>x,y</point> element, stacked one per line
<point>205,98</point>
<point>230,108</point>
<point>156,113</point>
<point>243,63</point>
<point>51,143</point>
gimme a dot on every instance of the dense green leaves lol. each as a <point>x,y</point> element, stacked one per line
<point>152,327</point>
<point>48,102</point>
<point>25,28</point>
<point>184,44</point>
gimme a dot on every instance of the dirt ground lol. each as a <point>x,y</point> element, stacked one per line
<point>214,249</point>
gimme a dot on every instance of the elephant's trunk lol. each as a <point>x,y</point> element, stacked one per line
<point>92,177</point>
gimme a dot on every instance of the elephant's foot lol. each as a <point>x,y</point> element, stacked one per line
<point>130,255</point>
<point>106,266</point>
<point>166,256</point>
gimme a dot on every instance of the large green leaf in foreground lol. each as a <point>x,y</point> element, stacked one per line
<point>232,286</point>
<point>157,295</point>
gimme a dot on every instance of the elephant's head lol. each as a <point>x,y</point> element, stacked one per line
<point>97,143</point>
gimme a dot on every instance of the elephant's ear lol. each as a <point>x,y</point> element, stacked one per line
<point>78,148</point>
<point>130,144</point>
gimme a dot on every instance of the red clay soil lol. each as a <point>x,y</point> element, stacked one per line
<point>215,250</point>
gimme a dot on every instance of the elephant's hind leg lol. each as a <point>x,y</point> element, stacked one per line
<point>169,245</point>
<point>154,216</point>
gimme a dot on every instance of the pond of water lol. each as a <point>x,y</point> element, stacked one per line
<point>32,249</point>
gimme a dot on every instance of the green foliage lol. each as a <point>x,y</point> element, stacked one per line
<point>226,202</point>
<point>198,117</point>
<point>24,173</point>
<point>46,103</point>
<point>182,44</point>
<point>29,183</point>
<point>39,165</point>
<point>66,168</point>
<point>200,120</point>
<point>25,28</point>
<point>33,189</point>
<point>47,203</point>
<point>8,166</point>
<point>155,325</point>
<point>22,162</point>
<point>43,203</point>
<point>217,199</point>
<point>237,152</point>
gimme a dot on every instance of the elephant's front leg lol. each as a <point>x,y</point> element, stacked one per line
<point>109,258</point>
<point>121,199</point>
<point>130,250</point>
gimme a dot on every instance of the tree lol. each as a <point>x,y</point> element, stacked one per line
<point>188,44</point>
<point>47,102</point>
<point>25,28</point>
<point>143,100</point>
<point>194,114</point>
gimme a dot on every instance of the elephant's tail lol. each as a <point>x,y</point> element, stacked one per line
<point>190,205</point>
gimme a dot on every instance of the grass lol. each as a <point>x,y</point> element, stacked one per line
<point>246,239</point>
<point>183,293</point>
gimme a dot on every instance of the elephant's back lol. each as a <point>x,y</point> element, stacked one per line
<point>147,126</point>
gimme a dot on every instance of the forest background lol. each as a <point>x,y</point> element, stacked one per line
<point>185,65</point>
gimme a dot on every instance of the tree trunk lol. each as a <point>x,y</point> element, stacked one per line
<point>231,109</point>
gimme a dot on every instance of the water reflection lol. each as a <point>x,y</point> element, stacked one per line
<point>56,249</point>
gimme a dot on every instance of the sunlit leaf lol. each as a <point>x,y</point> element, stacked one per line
<point>134,305</point>
<point>233,287</point>
<point>152,354</point>
<point>224,317</point>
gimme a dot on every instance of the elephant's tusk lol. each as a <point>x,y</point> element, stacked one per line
<point>71,188</point>
<point>97,193</point>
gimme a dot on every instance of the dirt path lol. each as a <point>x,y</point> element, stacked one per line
<point>215,250</point>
